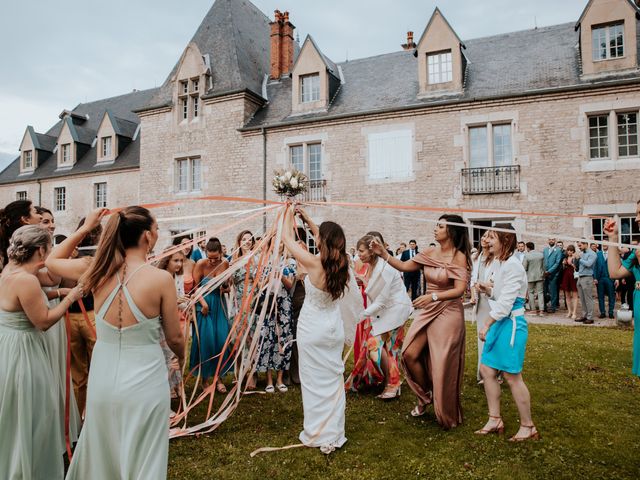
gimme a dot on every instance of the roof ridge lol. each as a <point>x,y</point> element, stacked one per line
<point>522,31</point>
<point>115,96</point>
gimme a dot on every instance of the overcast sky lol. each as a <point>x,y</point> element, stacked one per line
<point>56,54</point>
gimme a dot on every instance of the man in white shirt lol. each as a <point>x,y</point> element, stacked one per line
<point>520,251</point>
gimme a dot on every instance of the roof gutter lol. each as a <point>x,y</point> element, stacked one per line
<point>422,106</point>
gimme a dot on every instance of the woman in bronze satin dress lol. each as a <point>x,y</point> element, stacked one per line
<point>433,350</point>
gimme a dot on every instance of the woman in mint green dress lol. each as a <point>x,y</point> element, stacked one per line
<point>126,427</point>
<point>31,438</point>
<point>630,269</point>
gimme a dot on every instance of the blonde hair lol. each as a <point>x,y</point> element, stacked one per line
<point>25,241</point>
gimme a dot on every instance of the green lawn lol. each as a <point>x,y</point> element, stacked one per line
<point>586,405</point>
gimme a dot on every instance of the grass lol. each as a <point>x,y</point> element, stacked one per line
<point>586,405</point>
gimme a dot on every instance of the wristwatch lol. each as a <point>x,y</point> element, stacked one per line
<point>434,297</point>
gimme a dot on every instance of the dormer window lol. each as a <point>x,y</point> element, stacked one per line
<point>105,146</point>
<point>184,87</point>
<point>310,88</point>
<point>66,153</point>
<point>195,83</point>
<point>608,41</point>
<point>27,160</point>
<point>440,67</point>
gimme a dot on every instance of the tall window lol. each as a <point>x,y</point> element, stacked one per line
<point>21,195</point>
<point>629,230</point>
<point>188,176</point>
<point>439,67</point>
<point>66,153</point>
<point>390,155</point>
<point>310,88</point>
<point>195,84</point>
<point>608,41</point>
<point>28,160</point>
<point>60,199</point>
<point>599,136</point>
<point>627,134</point>
<point>490,145</point>
<point>308,159</point>
<point>195,101</point>
<point>106,146</point>
<point>185,108</point>
<point>195,96</point>
<point>100,195</point>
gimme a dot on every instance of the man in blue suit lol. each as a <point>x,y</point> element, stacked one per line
<point>604,282</point>
<point>552,263</point>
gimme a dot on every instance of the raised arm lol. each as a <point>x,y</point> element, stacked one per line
<point>32,302</point>
<point>303,257</point>
<point>170,317</point>
<point>59,263</point>
<point>304,216</point>
<point>408,266</point>
<point>614,264</point>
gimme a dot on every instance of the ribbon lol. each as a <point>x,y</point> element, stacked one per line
<point>67,393</point>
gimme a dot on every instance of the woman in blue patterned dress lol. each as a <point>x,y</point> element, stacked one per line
<point>505,335</point>
<point>628,268</point>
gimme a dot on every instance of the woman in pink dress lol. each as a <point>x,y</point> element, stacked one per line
<point>568,283</point>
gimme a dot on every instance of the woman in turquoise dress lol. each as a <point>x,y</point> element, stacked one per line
<point>628,268</point>
<point>211,319</point>
<point>32,443</point>
<point>505,335</point>
<point>126,427</point>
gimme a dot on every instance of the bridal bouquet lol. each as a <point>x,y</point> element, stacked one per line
<point>289,183</point>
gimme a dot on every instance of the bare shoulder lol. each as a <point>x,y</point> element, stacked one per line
<point>460,259</point>
<point>26,280</point>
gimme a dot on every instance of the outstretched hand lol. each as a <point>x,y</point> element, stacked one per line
<point>377,247</point>
<point>93,219</point>
<point>611,228</point>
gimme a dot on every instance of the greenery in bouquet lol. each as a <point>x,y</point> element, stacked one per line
<point>289,183</point>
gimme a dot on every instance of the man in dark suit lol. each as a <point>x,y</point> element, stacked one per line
<point>411,279</point>
<point>604,282</point>
<point>552,263</point>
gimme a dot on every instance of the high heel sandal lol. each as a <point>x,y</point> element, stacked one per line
<point>499,427</point>
<point>419,410</point>
<point>390,393</point>
<point>533,434</point>
<point>220,388</point>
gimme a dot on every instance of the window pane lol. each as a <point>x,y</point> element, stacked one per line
<point>439,67</point>
<point>315,161</point>
<point>100,195</point>
<point>182,175</point>
<point>195,106</point>
<point>60,200</point>
<point>627,134</point>
<point>502,145</point>
<point>478,152</point>
<point>196,174</point>
<point>296,157</point>
<point>391,155</point>
<point>185,108</point>
<point>599,136</point>
<point>310,88</point>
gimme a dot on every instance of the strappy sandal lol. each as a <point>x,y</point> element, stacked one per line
<point>282,388</point>
<point>499,427</point>
<point>533,434</point>
<point>390,393</point>
<point>220,388</point>
<point>419,410</point>
<point>270,389</point>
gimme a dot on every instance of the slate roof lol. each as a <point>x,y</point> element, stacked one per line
<point>120,107</point>
<point>511,64</point>
<point>236,36</point>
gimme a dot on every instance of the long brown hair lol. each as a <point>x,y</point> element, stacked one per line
<point>508,240</point>
<point>459,235</point>
<point>123,231</point>
<point>164,262</point>
<point>10,220</point>
<point>334,259</point>
<point>238,250</point>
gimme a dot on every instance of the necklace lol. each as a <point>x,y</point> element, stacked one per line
<point>120,295</point>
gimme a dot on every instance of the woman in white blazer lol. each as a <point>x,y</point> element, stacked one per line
<point>389,308</point>
<point>505,335</point>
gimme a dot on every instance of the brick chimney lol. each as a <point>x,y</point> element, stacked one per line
<point>281,45</point>
<point>410,45</point>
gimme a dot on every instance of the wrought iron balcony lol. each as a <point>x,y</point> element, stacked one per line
<point>491,180</point>
<point>317,191</point>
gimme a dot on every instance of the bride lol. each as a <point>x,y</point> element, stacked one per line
<point>321,334</point>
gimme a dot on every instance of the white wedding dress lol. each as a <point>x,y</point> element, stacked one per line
<point>320,338</point>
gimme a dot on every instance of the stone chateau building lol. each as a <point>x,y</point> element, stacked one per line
<point>542,120</point>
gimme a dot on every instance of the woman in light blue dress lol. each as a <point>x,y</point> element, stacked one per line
<point>630,269</point>
<point>32,441</point>
<point>126,428</point>
<point>505,335</point>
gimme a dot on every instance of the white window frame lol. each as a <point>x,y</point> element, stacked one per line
<point>630,141</point>
<point>304,163</point>
<point>390,155</point>
<point>106,146</point>
<point>602,149</point>
<point>27,154</point>
<point>100,197</point>
<point>439,67</point>
<point>192,180</point>
<point>491,148</point>
<point>607,33</point>
<point>60,199</point>
<point>627,227</point>
<point>65,153</point>
<point>310,88</point>
<point>22,195</point>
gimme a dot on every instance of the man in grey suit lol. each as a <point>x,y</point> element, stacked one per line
<point>584,262</point>
<point>533,263</point>
<point>552,261</point>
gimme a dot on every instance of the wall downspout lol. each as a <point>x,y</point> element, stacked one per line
<point>39,192</point>
<point>264,176</point>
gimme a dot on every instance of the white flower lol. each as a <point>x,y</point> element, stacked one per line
<point>288,175</point>
<point>294,182</point>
